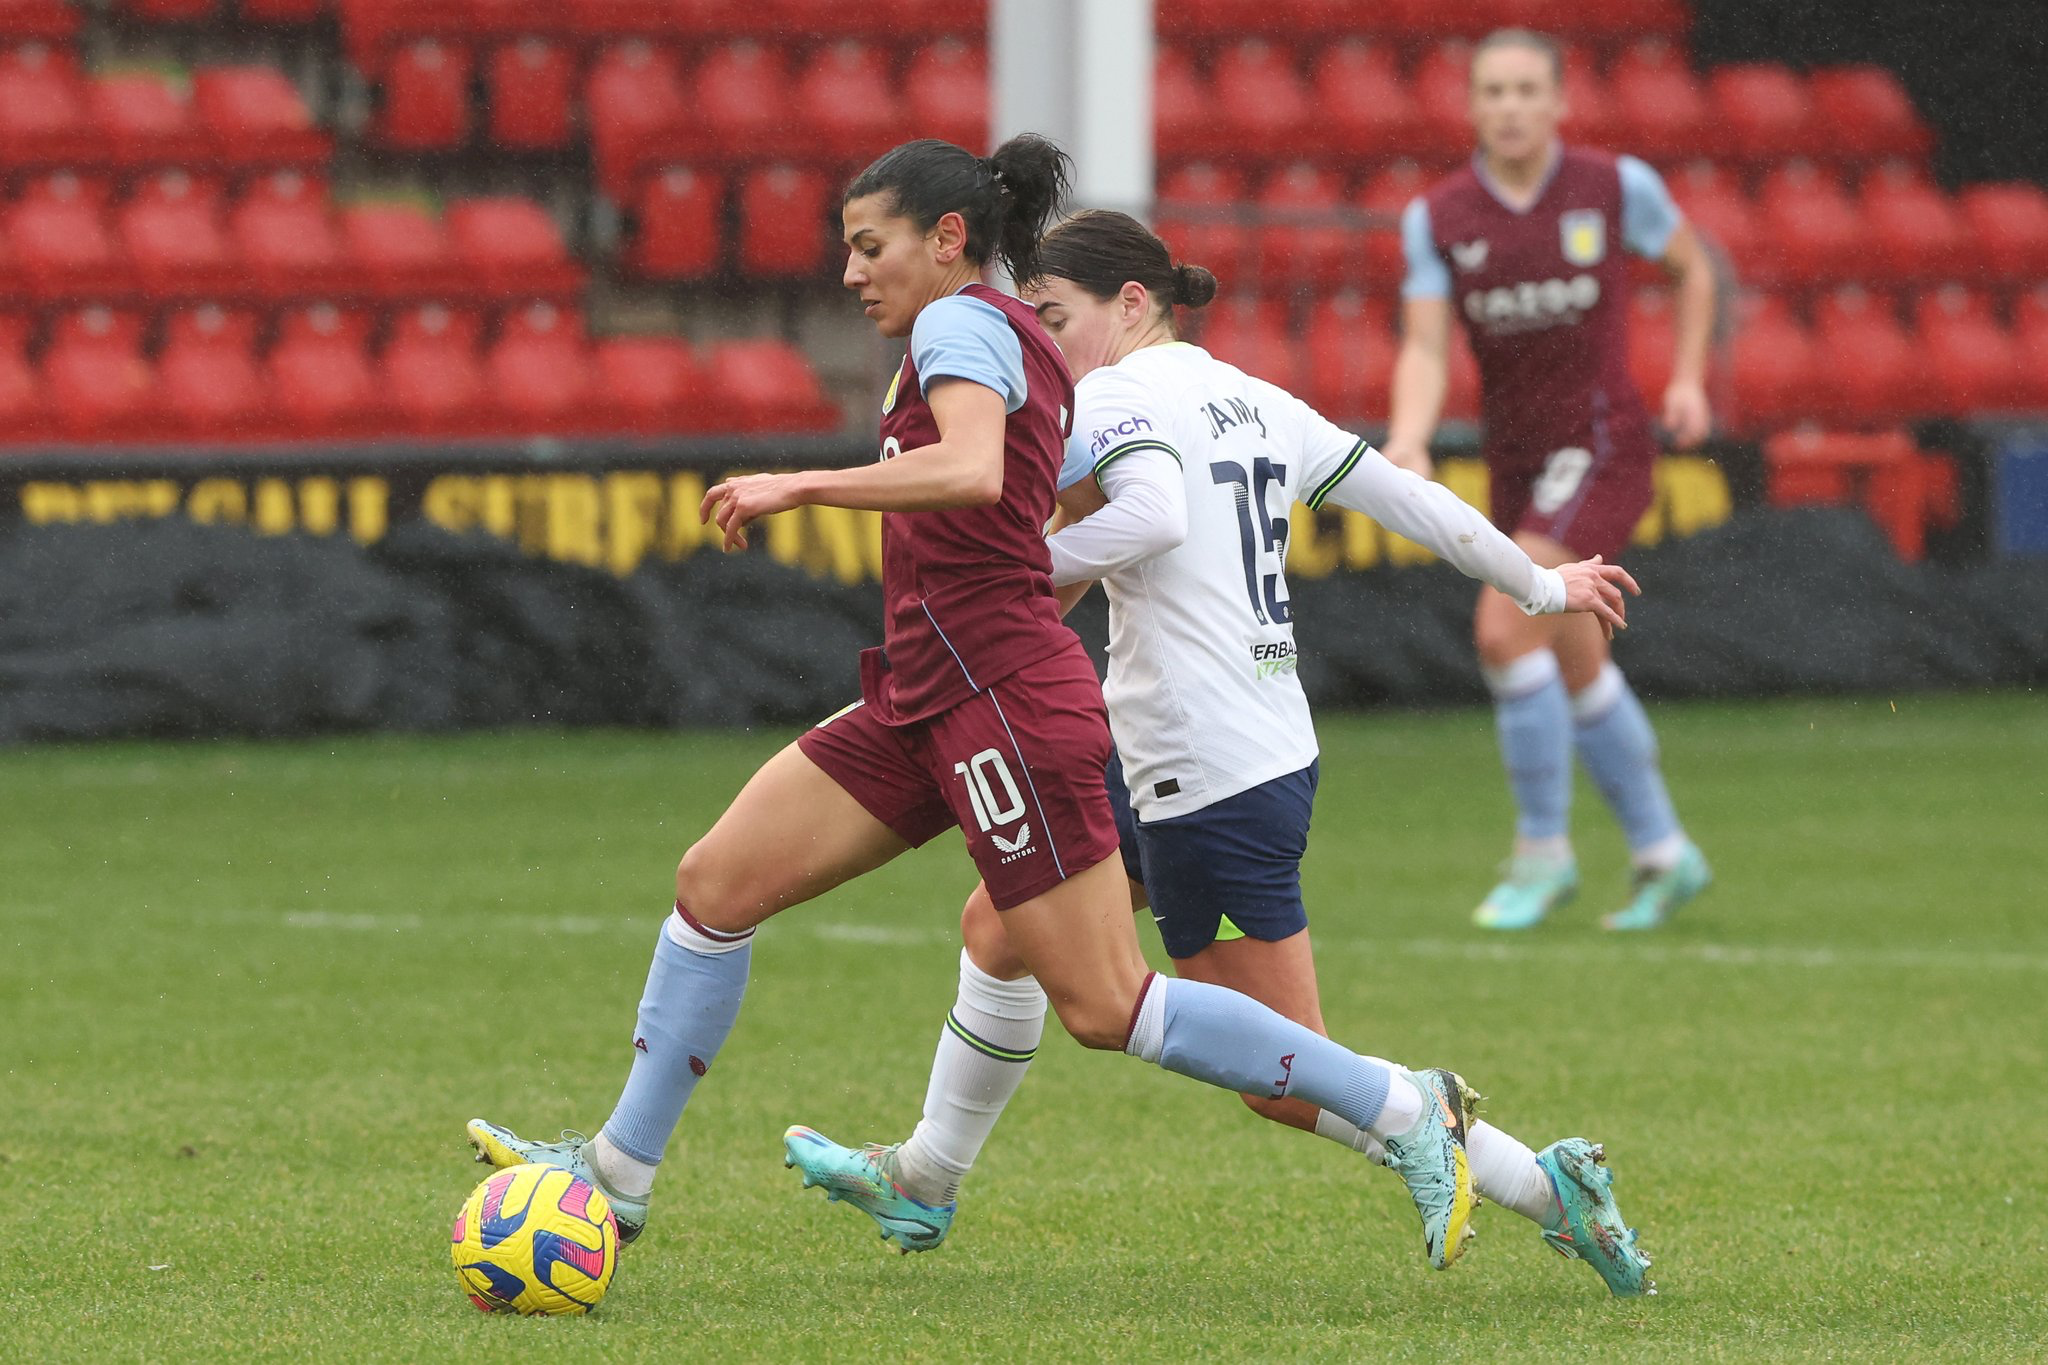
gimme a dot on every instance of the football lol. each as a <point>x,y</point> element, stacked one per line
<point>535,1239</point>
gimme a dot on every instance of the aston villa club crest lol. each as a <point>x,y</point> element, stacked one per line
<point>895,382</point>
<point>1583,235</point>
<point>1469,255</point>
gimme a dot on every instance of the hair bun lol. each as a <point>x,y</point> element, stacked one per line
<point>1193,286</point>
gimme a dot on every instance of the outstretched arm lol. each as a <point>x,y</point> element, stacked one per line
<point>1439,520</point>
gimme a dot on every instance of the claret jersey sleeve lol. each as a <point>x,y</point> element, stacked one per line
<point>1344,469</point>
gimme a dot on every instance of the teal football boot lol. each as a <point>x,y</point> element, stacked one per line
<point>1431,1161</point>
<point>502,1147</point>
<point>1659,895</point>
<point>1534,887</point>
<point>1593,1229</point>
<point>866,1179</point>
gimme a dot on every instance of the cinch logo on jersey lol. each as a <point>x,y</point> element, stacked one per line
<point>1105,436</point>
<point>1533,305</point>
<point>1275,659</point>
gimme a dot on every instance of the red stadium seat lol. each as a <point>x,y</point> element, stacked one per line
<point>744,98</point>
<point>1766,112</point>
<point>172,230</point>
<point>57,237</point>
<point>146,119</point>
<point>1224,18</point>
<point>254,115</point>
<point>1812,227</point>
<point>681,234</point>
<point>425,105</point>
<point>846,101</point>
<point>539,369</point>
<point>1902,488</point>
<point>947,87</point>
<point>21,393</point>
<point>768,386</point>
<point>1302,235</point>
<point>1652,341</point>
<point>43,109</point>
<point>511,246</point>
<point>2030,342</point>
<point>1253,335</point>
<point>210,384</point>
<point>1351,354</point>
<point>320,373</point>
<point>634,105</point>
<point>1613,18</point>
<point>98,384</point>
<point>1975,363</point>
<point>400,248</point>
<point>25,21</point>
<point>532,84</point>
<point>650,383</point>
<point>1774,368</point>
<point>1362,106</point>
<point>1874,374</point>
<point>783,227</point>
<point>1200,216</point>
<point>1184,115</point>
<point>429,370</point>
<point>1718,210</point>
<point>1590,116</point>
<point>1386,197</point>
<point>1915,231</point>
<point>1443,93</point>
<point>284,234</point>
<point>1261,98</point>
<point>1867,113</point>
<point>2008,225</point>
<point>1659,102</point>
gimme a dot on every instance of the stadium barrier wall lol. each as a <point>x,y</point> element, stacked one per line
<point>277,593</point>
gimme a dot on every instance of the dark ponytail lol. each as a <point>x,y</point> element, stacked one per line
<point>1005,199</point>
<point>1102,250</point>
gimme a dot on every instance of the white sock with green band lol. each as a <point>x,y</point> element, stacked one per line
<point>984,1050</point>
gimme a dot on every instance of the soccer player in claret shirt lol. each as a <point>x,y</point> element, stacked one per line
<point>1528,245</point>
<point>981,710</point>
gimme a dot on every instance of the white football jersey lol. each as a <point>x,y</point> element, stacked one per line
<point>1203,696</point>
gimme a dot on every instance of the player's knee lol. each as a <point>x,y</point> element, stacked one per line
<point>987,943</point>
<point>1102,1022</point>
<point>1500,641</point>
<point>709,892</point>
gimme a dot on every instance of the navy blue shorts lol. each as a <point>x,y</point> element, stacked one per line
<point>1235,863</point>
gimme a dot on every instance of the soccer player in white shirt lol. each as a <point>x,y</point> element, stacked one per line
<point>1181,475</point>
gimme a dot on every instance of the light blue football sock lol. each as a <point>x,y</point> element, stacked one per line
<point>1533,716</point>
<point>693,994</point>
<point>1230,1040</point>
<point>1619,749</point>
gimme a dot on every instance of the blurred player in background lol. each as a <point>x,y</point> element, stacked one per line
<point>1181,470</point>
<point>1528,244</point>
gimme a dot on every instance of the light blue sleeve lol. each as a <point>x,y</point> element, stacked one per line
<point>958,337</point>
<point>1648,214</point>
<point>1428,278</point>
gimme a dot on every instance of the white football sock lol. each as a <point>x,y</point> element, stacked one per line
<point>1503,1168</point>
<point>984,1050</point>
<point>1555,848</point>
<point>622,1173</point>
<point>1403,1109</point>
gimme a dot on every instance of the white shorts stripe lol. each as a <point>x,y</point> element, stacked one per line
<point>1029,785</point>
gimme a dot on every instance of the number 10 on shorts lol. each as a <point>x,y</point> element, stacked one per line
<point>985,774</point>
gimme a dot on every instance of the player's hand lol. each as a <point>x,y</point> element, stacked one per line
<point>1687,417</point>
<point>1595,587</point>
<point>737,502</point>
<point>1410,455</point>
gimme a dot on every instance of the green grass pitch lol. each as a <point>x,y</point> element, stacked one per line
<point>249,994</point>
